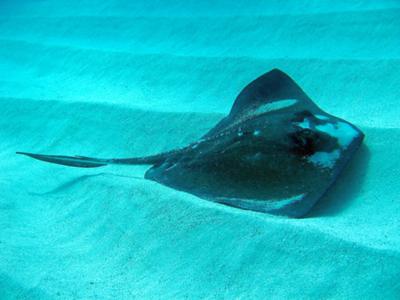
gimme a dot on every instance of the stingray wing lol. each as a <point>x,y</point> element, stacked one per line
<point>273,90</point>
<point>275,152</point>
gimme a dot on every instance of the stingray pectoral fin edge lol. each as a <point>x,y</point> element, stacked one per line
<point>91,162</point>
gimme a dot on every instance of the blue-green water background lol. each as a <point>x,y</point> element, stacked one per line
<point>127,78</point>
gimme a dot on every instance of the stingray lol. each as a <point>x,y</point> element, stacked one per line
<point>276,152</point>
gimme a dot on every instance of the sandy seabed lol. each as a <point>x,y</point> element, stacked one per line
<point>129,78</point>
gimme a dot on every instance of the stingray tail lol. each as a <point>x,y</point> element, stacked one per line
<point>90,162</point>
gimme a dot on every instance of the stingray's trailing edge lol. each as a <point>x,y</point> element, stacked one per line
<point>276,152</point>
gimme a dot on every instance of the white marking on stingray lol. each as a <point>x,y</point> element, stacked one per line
<point>324,159</point>
<point>344,133</point>
<point>321,117</point>
<point>261,204</point>
<point>283,202</point>
<point>170,167</point>
<point>256,132</point>
<point>306,124</point>
<point>276,105</point>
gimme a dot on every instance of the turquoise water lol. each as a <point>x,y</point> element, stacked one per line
<point>130,78</point>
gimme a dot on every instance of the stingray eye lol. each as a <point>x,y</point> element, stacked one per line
<point>304,141</point>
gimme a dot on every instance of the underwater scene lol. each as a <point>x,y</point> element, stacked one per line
<point>199,149</point>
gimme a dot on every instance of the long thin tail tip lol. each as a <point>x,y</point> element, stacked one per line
<point>23,153</point>
<point>26,154</point>
<point>33,155</point>
<point>71,161</point>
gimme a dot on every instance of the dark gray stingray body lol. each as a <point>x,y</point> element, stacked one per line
<point>276,152</point>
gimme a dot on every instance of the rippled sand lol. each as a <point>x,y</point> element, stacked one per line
<point>126,79</point>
